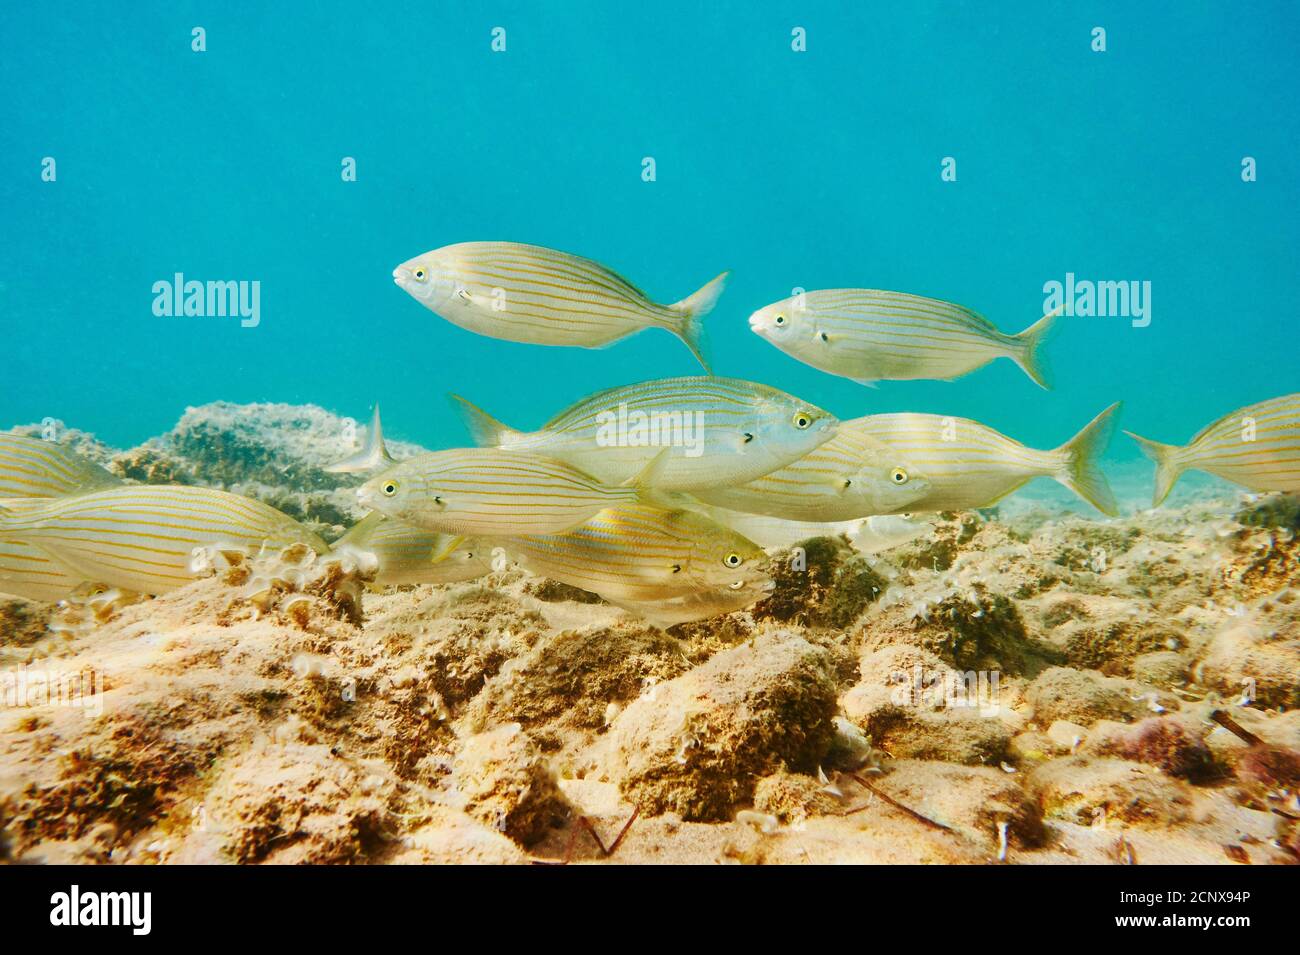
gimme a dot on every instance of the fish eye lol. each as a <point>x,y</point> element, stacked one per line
<point>420,275</point>
<point>802,421</point>
<point>898,476</point>
<point>907,515</point>
<point>732,559</point>
<point>390,488</point>
<point>780,320</point>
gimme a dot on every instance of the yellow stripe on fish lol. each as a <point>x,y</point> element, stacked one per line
<point>490,492</point>
<point>411,555</point>
<point>717,431</point>
<point>634,554</point>
<point>852,475</point>
<point>870,335</point>
<point>526,293</point>
<point>144,538</point>
<point>27,572</point>
<point>970,465</point>
<point>30,467</point>
<point>1257,446</point>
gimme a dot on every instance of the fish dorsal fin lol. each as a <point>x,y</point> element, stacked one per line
<point>373,455</point>
<point>485,430</point>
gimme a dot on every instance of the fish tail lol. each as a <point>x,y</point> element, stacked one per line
<point>1027,352</point>
<point>644,485</point>
<point>1080,467</point>
<point>1168,467</point>
<point>485,430</point>
<point>373,455</point>
<point>692,311</point>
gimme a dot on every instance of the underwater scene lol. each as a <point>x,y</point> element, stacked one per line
<point>678,434</point>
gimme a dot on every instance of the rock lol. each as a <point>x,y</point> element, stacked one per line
<point>1065,736</point>
<point>696,744</point>
<point>961,735</point>
<point>850,748</point>
<point>970,799</point>
<point>1162,741</point>
<point>792,798</point>
<point>507,784</point>
<point>453,838</point>
<point>1087,791</point>
<point>1085,696</point>
<point>1161,668</point>
<point>1245,656</point>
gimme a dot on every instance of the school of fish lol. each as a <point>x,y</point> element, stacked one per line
<point>662,497</point>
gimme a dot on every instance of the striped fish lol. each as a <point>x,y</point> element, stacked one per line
<point>717,430</point>
<point>882,532</point>
<point>969,465</point>
<point>870,335</point>
<point>30,467</point>
<point>525,293</point>
<point>1257,447</point>
<point>852,475</point>
<point>868,535</point>
<point>638,556</point>
<point>144,538</point>
<point>491,492</point>
<point>30,574</point>
<point>410,555</point>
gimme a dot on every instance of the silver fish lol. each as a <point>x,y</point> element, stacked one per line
<point>30,467</point>
<point>1257,447</point>
<point>526,293</point>
<point>145,538</point>
<point>718,431</point>
<point>411,555</point>
<point>970,465</point>
<point>869,335</point>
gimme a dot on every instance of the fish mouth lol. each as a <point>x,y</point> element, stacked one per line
<point>756,323</point>
<point>401,276</point>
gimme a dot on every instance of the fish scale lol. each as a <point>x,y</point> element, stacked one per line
<point>30,467</point>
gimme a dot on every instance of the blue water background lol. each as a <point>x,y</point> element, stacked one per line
<point>816,169</point>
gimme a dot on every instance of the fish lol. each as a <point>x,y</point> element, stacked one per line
<point>146,538</point>
<point>412,555</point>
<point>526,293</point>
<point>852,475</point>
<point>28,573</point>
<point>642,557</point>
<point>884,532</point>
<point>666,612</point>
<point>969,465</point>
<point>30,467</point>
<point>374,454</point>
<point>487,491</point>
<point>717,431</point>
<point>773,532</point>
<point>870,335</point>
<point>1257,446</point>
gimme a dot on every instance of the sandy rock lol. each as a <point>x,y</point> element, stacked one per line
<point>453,838</point>
<point>969,799</point>
<point>1085,696</point>
<point>1250,656</point>
<point>1161,668</point>
<point>792,797</point>
<point>1087,791</point>
<point>960,735</point>
<point>1064,736</point>
<point>505,783</point>
<point>696,744</point>
<point>1176,746</point>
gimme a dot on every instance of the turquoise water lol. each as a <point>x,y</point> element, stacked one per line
<point>815,169</point>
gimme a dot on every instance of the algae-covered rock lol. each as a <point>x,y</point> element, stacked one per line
<point>960,735</point>
<point>821,583</point>
<point>507,784</point>
<point>1161,668</point>
<point>1162,741</point>
<point>793,797</point>
<point>1245,659</point>
<point>697,744</point>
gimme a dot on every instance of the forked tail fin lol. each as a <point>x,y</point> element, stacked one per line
<point>1168,467</point>
<point>1028,350</point>
<point>693,309</point>
<point>1080,468</point>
